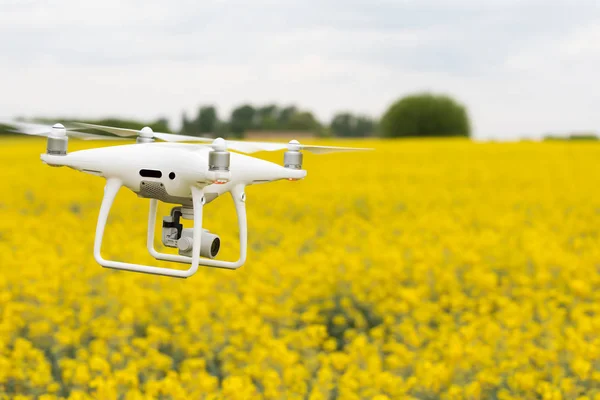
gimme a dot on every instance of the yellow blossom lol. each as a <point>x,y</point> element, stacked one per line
<point>437,268</point>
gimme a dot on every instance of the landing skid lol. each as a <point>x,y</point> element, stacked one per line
<point>110,192</point>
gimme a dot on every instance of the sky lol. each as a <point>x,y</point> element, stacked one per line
<point>522,68</point>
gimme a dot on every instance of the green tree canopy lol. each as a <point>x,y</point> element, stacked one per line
<point>348,125</point>
<point>302,121</point>
<point>242,119</point>
<point>187,126</point>
<point>266,117</point>
<point>425,114</point>
<point>207,120</point>
<point>285,115</point>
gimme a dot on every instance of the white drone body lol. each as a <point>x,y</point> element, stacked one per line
<point>186,175</point>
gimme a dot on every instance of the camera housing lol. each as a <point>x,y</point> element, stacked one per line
<point>210,244</point>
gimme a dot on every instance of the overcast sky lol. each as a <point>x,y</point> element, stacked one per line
<point>523,68</point>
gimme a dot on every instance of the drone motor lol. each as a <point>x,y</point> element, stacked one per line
<point>292,158</point>
<point>57,141</point>
<point>146,135</point>
<point>218,161</point>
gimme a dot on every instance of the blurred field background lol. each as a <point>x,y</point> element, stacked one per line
<point>438,268</point>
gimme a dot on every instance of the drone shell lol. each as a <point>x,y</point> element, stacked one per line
<point>180,166</point>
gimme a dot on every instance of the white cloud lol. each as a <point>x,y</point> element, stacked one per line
<point>583,42</point>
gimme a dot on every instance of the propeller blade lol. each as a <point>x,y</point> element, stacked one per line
<point>252,147</point>
<point>27,128</point>
<point>123,132</point>
<point>126,132</point>
<point>332,149</point>
<point>244,147</point>
<point>236,145</point>
<point>172,137</point>
<point>36,129</point>
<point>92,136</point>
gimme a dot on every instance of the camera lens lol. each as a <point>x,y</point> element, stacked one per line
<point>214,248</point>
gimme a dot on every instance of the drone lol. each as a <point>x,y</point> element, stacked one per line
<point>162,167</point>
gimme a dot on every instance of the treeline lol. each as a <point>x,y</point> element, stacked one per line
<point>572,136</point>
<point>245,118</point>
<point>274,118</point>
<point>416,115</point>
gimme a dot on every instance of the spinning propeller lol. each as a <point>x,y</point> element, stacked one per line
<point>218,157</point>
<point>56,130</point>
<point>237,145</point>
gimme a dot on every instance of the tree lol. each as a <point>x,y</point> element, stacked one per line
<point>425,114</point>
<point>6,129</point>
<point>303,121</point>
<point>161,125</point>
<point>365,126</point>
<point>285,116</point>
<point>266,117</point>
<point>186,125</point>
<point>207,120</point>
<point>349,125</point>
<point>241,119</point>
<point>341,125</point>
<point>223,129</point>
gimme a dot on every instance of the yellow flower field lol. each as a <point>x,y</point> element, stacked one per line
<point>426,269</point>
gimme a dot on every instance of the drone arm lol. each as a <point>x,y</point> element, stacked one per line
<point>239,198</point>
<point>110,192</point>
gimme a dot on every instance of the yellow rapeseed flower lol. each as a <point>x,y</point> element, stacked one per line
<point>426,269</point>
